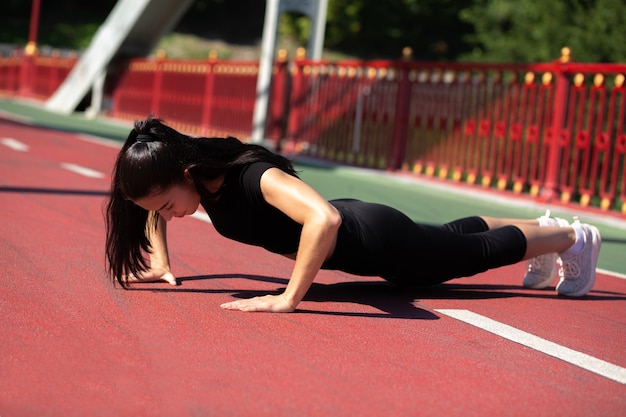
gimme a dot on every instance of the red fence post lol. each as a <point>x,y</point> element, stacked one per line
<point>26,70</point>
<point>54,81</point>
<point>207,101</point>
<point>277,107</point>
<point>620,141</point>
<point>401,119</point>
<point>158,81</point>
<point>558,120</point>
<point>296,107</point>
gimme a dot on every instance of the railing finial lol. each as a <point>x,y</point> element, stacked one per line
<point>566,54</point>
<point>30,49</point>
<point>407,53</point>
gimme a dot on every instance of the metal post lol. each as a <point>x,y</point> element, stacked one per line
<point>26,64</point>
<point>558,117</point>
<point>400,123</point>
<point>316,10</point>
<point>316,41</point>
<point>34,23</point>
<point>97,94</point>
<point>268,46</point>
<point>155,105</point>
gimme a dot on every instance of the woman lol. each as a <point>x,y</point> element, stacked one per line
<point>254,196</point>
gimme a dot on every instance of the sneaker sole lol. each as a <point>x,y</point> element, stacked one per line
<point>595,251</point>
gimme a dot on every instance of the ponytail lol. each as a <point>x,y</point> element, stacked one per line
<point>153,158</point>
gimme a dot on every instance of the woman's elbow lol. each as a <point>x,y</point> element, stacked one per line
<point>325,220</point>
<point>333,219</point>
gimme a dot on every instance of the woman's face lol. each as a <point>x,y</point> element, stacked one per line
<point>177,201</point>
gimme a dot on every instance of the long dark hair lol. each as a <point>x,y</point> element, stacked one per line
<point>153,158</point>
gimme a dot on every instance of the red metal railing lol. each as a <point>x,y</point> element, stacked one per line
<point>553,130</point>
<point>34,76</point>
<point>9,75</point>
<point>204,97</point>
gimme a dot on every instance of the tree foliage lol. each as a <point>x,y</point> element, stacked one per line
<point>62,24</point>
<point>536,30</point>
<point>470,30</point>
<point>380,29</point>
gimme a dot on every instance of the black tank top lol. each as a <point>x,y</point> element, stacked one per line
<point>242,214</point>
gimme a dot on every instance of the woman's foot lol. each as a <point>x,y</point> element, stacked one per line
<point>543,270</point>
<point>579,268</point>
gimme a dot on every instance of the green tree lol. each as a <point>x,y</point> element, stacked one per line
<point>599,32</point>
<point>380,29</point>
<point>62,24</point>
<point>536,30</point>
<point>470,30</point>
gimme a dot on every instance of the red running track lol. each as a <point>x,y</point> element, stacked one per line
<point>74,345</point>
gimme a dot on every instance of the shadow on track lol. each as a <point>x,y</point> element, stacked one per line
<point>43,120</point>
<point>62,191</point>
<point>392,300</point>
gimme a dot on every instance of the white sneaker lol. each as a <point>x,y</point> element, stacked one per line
<point>579,269</point>
<point>544,269</point>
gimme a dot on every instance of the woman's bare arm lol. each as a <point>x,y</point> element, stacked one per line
<point>320,223</point>
<point>159,255</point>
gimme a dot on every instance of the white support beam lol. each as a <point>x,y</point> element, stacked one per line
<point>133,28</point>
<point>316,11</point>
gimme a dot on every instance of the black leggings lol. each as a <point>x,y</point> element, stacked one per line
<point>378,240</point>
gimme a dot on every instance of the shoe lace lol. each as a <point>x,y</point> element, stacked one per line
<point>571,267</point>
<point>538,263</point>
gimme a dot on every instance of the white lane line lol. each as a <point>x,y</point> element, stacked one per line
<point>582,360</point>
<point>14,144</point>
<point>611,273</point>
<point>87,172</point>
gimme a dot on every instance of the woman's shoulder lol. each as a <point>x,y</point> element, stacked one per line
<point>258,167</point>
<point>249,175</point>
<point>254,170</point>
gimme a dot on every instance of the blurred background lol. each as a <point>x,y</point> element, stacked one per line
<point>448,30</point>
<point>471,91</point>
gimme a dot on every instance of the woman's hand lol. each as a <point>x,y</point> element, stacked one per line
<point>268,303</point>
<point>154,275</point>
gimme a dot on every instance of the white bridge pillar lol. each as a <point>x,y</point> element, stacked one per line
<point>132,28</point>
<point>316,11</point>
